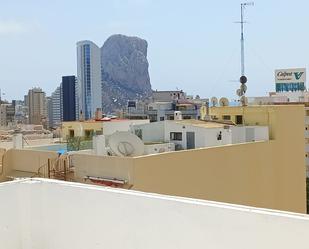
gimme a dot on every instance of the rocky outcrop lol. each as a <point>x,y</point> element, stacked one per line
<point>124,71</point>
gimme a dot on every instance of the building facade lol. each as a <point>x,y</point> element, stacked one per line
<point>56,107</point>
<point>89,79</point>
<point>37,106</point>
<point>7,114</point>
<point>69,103</point>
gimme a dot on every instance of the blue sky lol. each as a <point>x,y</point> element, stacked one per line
<point>193,45</point>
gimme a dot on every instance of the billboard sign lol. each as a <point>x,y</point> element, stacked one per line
<point>288,80</point>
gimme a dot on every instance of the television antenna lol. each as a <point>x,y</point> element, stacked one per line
<point>214,101</point>
<point>224,101</point>
<point>243,79</point>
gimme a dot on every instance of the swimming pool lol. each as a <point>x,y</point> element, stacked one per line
<point>60,148</point>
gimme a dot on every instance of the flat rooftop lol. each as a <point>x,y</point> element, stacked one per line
<point>201,123</point>
<point>51,214</point>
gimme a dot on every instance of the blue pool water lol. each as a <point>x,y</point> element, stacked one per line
<point>59,148</point>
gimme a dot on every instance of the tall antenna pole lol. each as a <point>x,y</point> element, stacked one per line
<point>243,79</point>
<point>242,40</point>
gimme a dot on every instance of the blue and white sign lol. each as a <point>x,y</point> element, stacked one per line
<point>290,80</point>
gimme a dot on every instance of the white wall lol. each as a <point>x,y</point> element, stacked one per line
<point>238,134</point>
<point>59,215</point>
<point>10,217</point>
<point>243,134</point>
<point>152,132</point>
<point>261,133</point>
<point>124,125</point>
<point>159,148</point>
<point>204,137</point>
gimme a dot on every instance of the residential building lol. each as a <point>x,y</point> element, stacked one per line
<point>49,104</point>
<point>37,106</point>
<point>7,114</point>
<point>191,134</point>
<point>159,111</point>
<point>56,102</point>
<point>167,96</point>
<point>63,105</point>
<point>91,127</point>
<point>21,112</point>
<point>89,79</point>
<point>263,173</point>
<point>290,85</point>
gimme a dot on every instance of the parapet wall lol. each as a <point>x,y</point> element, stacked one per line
<point>36,214</point>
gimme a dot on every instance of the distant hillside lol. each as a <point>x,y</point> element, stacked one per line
<point>124,71</point>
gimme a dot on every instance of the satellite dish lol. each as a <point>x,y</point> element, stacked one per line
<point>224,102</point>
<point>214,101</point>
<point>238,93</point>
<point>243,79</point>
<point>244,101</point>
<point>124,143</point>
<point>243,88</point>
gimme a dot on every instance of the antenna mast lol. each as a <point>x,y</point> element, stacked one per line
<point>243,79</point>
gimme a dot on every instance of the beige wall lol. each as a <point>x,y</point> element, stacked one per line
<point>246,174</point>
<point>27,161</point>
<point>111,167</point>
<point>263,174</point>
<point>80,127</point>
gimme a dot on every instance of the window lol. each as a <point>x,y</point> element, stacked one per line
<point>139,133</point>
<point>88,133</point>
<point>99,132</point>
<point>71,133</point>
<point>239,119</point>
<point>161,118</point>
<point>176,136</point>
<point>226,117</point>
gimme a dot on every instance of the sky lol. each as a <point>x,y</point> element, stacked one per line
<point>192,45</point>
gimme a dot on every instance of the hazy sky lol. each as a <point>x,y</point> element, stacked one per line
<point>192,45</point>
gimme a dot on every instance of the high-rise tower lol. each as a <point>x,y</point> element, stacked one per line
<point>68,93</point>
<point>37,106</point>
<point>89,79</point>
